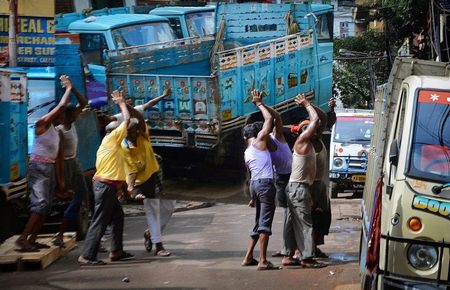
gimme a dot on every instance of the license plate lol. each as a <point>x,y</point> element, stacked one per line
<point>359,178</point>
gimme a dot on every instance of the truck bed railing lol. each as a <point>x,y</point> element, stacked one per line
<point>145,58</point>
<point>252,53</point>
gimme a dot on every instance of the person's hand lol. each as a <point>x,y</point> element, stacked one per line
<point>256,97</point>
<point>66,83</point>
<point>251,203</point>
<point>301,100</point>
<point>167,92</point>
<point>130,187</point>
<point>117,97</point>
<point>332,103</point>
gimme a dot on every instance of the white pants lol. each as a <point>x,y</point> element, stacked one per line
<point>158,213</point>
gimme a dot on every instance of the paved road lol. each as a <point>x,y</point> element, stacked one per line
<point>208,245</point>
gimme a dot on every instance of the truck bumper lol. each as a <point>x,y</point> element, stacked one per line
<point>390,283</point>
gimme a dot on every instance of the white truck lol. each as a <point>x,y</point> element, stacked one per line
<point>349,148</point>
<point>405,241</point>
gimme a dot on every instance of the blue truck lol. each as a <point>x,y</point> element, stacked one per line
<point>280,49</point>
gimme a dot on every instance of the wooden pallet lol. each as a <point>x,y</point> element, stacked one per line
<point>11,260</point>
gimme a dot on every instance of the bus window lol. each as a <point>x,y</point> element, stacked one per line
<point>92,46</point>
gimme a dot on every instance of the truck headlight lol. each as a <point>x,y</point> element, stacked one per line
<point>422,257</point>
<point>338,162</point>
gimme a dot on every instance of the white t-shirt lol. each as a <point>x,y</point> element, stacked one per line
<point>139,108</point>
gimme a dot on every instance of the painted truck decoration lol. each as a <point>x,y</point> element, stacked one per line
<point>212,96</point>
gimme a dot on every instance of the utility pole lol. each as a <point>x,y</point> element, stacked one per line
<point>12,44</point>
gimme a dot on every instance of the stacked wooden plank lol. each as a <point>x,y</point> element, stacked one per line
<point>13,260</point>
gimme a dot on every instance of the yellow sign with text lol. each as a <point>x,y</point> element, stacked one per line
<point>36,8</point>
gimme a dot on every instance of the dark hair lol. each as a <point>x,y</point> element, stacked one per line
<point>69,109</point>
<point>252,130</point>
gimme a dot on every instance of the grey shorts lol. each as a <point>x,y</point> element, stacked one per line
<point>263,193</point>
<point>42,185</point>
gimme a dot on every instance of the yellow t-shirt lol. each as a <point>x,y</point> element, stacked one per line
<point>140,159</point>
<point>110,156</point>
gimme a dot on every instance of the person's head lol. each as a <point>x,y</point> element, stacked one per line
<point>300,128</point>
<point>251,130</point>
<point>133,130</point>
<point>129,101</point>
<point>69,115</point>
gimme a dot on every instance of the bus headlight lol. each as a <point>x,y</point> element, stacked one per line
<point>422,257</point>
<point>338,162</point>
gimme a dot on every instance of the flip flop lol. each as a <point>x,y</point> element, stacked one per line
<point>253,262</point>
<point>294,262</point>
<point>313,265</point>
<point>91,263</point>
<point>163,253</point>
<point>122,257</point>
<point>268,266</point>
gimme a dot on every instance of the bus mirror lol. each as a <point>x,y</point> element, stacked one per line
<point>393,152</point>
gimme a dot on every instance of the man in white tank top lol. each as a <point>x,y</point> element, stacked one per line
<point>41,172</point>
<point>69,172</point>
<point>298,230</point>
<point>262,189</point>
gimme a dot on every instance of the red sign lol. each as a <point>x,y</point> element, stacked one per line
<point>434,97</point>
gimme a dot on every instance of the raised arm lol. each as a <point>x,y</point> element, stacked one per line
<point>118,99</point>
<point>313,117</point>
<point>323,119</point>
<point>156,100</point>
<point>44,122</point>
<point>82,101</point>
<point>331,114</point>
<point>278,129</point>
<point>268,120</point>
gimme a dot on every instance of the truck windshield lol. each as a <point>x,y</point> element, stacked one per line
<point>350,129</point>
<point>430,146</point>
<point>142,34</point>
<point>200,24</point>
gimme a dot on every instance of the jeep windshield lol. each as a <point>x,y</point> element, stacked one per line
<point>142,34</point>
<point>351,129</point>
<point>430,146</point>
<point>200,23</point>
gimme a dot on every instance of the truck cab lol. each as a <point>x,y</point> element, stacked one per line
<point>189,21</point>
<point>111,32</point>
<point>349,148</point>
<point>407,211</point>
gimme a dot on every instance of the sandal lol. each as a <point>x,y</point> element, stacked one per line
<point>162,253</point>
<point>58,242</point>
<point>268,266</point>
<point>85,262</point>
<point>101,248</point>
<point>147,241</point>
<point>312,264</point>
<point>122,257</point>
<point>253,262</point>
<point>25,247</point>
<point>320,254</point>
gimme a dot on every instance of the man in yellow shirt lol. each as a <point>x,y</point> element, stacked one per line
<point>109,177</point>
<point>142,168</point>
